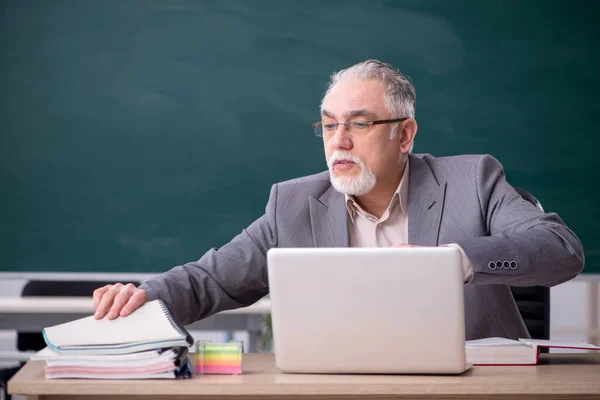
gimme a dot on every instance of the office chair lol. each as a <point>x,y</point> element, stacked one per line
<point>5,375</point>
<point>34,341</point>
<point>533,301</point>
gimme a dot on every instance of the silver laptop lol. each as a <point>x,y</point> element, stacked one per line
<point>368,310</point>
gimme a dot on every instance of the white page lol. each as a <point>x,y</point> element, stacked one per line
<point>121,349</point>
<point>163,375</point>
<point>493,342</point>
<point>147,324</point>
<point>57,362</point>
<point>554,343</point>
<point>48,354</point>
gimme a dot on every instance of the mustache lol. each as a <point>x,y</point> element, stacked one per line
<point>344,155</point>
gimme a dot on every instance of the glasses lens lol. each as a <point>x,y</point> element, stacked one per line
<point>359,126</point>
<point>319,130</point>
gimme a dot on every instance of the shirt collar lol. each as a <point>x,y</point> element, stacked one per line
<point>401,193</point>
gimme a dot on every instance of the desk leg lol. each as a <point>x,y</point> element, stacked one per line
<point>593,331</point>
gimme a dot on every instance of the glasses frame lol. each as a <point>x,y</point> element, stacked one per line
<point>347,124</point>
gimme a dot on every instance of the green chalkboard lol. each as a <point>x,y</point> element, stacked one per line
<point>136,134</point>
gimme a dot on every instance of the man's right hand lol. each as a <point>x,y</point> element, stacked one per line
<point>118,300</point>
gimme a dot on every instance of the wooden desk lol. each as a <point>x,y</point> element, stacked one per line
<point>559,376</point>
<point>36,313</point>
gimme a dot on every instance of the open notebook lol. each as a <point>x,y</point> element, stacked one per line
<point>152,326</point>
<point>502,351</point>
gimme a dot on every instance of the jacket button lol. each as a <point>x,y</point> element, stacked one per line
<point>513,265</point>
<point>506,265</point>
<point>491,265</point>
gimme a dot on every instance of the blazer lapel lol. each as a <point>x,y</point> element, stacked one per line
<point>329,219</point>
<point>425,204</point>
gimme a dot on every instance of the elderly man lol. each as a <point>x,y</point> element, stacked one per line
<point>377,194</point>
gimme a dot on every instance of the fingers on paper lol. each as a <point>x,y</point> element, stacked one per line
<point>98,293</point>
<point>107,300</point>
<point>135,301</point>
<point>117,300</point>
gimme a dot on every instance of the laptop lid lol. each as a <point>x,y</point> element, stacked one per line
<point>367,310</point>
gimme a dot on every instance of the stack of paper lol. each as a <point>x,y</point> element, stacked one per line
<point>149,343</point>
<point>502,351</point>
<point>151,364</point>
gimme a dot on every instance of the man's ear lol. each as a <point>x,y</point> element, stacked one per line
<point>408,130</point>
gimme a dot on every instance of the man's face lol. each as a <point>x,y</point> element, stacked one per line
<point>359,161</point>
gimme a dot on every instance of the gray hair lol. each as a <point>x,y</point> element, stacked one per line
<point>400,94</point>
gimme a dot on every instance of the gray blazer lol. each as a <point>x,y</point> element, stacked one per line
<point>463,199</point>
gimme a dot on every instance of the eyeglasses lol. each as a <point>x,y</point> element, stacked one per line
<point>356,126</point>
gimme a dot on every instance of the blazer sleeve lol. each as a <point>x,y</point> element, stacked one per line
<point>232,276</point>
<point>525,246</point>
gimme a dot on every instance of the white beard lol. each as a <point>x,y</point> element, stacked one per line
<point>357,185</point>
